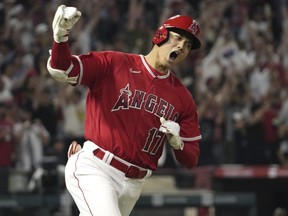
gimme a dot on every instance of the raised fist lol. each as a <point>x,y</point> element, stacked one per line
<point>64,19</point>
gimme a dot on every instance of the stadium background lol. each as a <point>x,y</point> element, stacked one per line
<point>238,79</point>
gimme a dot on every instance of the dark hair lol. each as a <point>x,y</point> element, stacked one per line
<point>183,33</point>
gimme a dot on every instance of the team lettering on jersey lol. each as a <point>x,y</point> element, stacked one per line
<point>141,100</point>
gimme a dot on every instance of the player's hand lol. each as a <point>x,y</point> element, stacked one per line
<point>172,130</point>
<point>64,19</point>
<point>73,148</point>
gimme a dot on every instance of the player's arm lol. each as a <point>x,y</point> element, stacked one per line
<point>61,63</point>
<point>189,156</point>
<point>186,150</point>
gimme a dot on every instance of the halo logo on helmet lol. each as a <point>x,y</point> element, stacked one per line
<point>181,22</point>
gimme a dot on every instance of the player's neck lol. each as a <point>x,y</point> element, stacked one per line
<point>153,60</point>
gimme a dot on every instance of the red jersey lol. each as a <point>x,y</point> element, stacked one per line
<point>125,101</point>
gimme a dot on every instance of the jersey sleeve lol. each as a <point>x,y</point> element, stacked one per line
<point>93,67</point>
<point>189,124</point>
<point>60,56</point>
<point>87,69</point>
<point>190,135</point>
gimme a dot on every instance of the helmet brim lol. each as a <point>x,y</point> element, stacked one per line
<point>196,44</point>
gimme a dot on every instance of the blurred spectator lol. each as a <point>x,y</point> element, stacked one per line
<point>269,116</point>
<point>73,110</point>
<point>57,151</point>
<point>32,136</point>
<point>7,139</point>
<point>279,212</point>
<point>211,123</point>
<point>282,144</point>
<point>109,23</point>
<point>6,95</point>
<point>241,148</point>
<point>45,110</point>
<point>7,146</point>
<point>236,105</point>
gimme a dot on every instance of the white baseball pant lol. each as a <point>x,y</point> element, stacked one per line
<point>99,189</point>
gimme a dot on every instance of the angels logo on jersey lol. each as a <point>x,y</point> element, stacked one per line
<point>141,100</point>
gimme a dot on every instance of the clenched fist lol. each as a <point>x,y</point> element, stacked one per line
<point>64,19</point>
<point>172,130</point>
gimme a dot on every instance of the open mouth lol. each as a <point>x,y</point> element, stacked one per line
<point>173,55</point>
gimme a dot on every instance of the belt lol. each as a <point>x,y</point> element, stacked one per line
<point>130,171</point>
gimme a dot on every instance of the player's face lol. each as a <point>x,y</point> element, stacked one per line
<point>176,49</point>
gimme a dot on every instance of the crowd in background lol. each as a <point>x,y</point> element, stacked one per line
<point>238,78</point>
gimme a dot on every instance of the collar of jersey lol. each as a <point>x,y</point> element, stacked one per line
<point>154,73</point>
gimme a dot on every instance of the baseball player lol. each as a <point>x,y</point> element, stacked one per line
<point>134,105</point>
